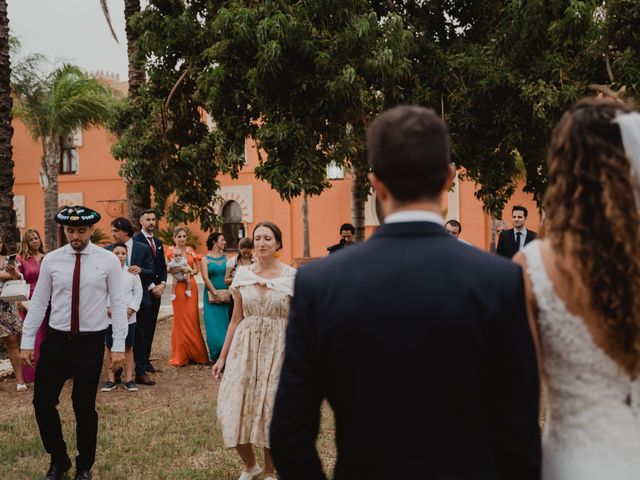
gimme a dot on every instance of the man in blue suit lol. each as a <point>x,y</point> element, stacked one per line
<point>159,282</point>
<point>419,343</point>
<point>141,263</point>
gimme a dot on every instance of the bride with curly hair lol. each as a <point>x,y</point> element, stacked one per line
<point>583,293</point>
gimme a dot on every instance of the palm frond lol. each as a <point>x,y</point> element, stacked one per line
<point>107,17</point>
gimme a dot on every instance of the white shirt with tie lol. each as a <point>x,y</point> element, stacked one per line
<point>100,282</point>
<point>523,237</point>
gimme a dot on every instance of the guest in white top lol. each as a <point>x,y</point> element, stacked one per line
<point>77,280</point>
<point>132,291</point>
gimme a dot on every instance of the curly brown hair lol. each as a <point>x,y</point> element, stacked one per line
<point>593,220</point>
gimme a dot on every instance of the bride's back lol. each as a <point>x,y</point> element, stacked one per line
<point>584,289</point>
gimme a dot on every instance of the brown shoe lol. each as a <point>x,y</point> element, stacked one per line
<point>144,379</point>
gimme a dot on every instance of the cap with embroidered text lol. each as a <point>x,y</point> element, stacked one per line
<point>77,216</point>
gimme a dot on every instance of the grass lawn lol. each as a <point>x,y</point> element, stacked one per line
<point>168,431</point>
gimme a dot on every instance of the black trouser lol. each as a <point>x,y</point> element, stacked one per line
<point>146,320</point>
<point>150,326</point>
<point>63,356</point>
<point>139,344</point>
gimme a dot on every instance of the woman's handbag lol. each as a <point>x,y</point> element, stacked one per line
<point>15,291</point>
<point>221,296</point>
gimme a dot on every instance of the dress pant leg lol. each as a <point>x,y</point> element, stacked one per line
<point>88,356</point>
<point>139,345</point>
<point>150,326</point>
<point>52,371</point>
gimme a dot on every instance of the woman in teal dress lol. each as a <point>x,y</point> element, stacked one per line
<point>216,315</point>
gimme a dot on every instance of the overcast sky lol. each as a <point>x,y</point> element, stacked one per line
<point>73,31</point>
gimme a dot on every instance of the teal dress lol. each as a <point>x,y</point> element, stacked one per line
<point>216,316</point>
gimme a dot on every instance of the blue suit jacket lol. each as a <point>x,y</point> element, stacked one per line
<point>160,263</point>
<point>421,345</point>
<point>142,256</point>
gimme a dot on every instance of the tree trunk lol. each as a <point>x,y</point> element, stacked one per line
<point>136,70</point>
<point>305,224</point>
<point>358,199</point>
<point>49,179</point>
<point>492,234</point>
<point>138,195</point>
<point>8,230</point>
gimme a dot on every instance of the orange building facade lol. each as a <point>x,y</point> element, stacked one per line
<point>92,180</point>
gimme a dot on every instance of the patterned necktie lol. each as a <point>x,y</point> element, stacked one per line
<point>518,236</point>
<point>75,297</point>
<point>153,245</point>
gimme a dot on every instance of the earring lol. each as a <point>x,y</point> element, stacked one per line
<point>276,255</point>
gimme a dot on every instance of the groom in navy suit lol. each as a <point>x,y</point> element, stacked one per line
<point>419,343</point>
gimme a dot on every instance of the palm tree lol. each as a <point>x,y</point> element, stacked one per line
<point>8,231</point>
<point>52,106</point>
<point>138,195</point>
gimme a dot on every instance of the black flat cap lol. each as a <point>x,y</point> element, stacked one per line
<point>77,216</point>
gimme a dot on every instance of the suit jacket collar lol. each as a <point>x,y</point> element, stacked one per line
<point>409,229</point>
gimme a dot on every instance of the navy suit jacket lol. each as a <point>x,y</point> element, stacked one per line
<point>141,256</point>
<point>160,263</point>
<point>422,348</point>
<point>507,242</point>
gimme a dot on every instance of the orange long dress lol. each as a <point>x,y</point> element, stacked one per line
<point>187,343</point>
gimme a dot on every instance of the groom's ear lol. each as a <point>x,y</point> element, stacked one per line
<point>382,192</point>
<point>451,177</point>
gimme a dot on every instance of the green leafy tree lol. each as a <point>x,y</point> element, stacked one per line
<point>8,230</point>
<point>52,106</point>
<point>304,79</point>
<point>163,136</point>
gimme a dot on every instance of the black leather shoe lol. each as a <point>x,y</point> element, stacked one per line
<point>151,368</point>
<point>144,380</point>
<point>83,475</point>
<point>57,469</point>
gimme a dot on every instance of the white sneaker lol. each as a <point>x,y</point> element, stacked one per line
<point>254,472</point>
<point>173,297</point>
<point>187,293</point>
<point>21,387</point>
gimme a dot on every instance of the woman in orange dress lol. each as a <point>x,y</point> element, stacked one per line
<point>187,343</point>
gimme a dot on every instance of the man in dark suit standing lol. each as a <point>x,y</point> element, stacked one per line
<point>140,262</point>
<point>425,356</point>
<point>159,282</point>
<point>512,240</point>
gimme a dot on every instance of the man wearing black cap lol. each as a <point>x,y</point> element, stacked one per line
<point>77,280</point>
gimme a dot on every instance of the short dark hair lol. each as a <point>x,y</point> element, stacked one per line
<point>212,239</point>
<point>123,224</point>
<point>521,208</point>
<point>273,227</point>
<point>455,223</point>
<point>120,244</point>
<point>408,151</point>
<point>245,242</point>
<point>347,226</point>
<point>148,210</point>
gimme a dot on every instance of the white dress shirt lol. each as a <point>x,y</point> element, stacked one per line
<point>131,292</point>
<point>414,216</point>
<point>100,280</point>
<point>129,244</point>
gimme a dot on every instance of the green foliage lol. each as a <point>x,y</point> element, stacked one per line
<point>99,237</point>
<point>54,105</point>
<point>305,78</point>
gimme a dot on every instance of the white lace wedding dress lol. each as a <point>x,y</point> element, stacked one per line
<point>592,429</point>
